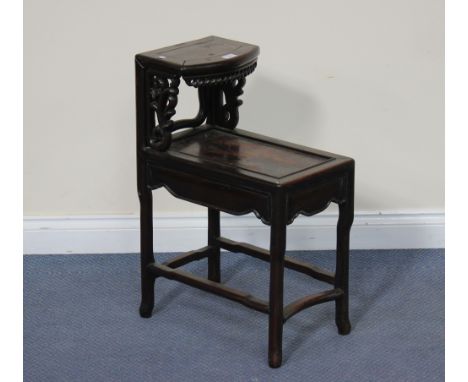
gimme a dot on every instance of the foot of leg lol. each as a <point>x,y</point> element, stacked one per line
<point>342,321</point>
<point>146,310</point>
<point>275,360</point>
<point>147,296</point>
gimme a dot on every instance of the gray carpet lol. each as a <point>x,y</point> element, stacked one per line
<point>81,322</point>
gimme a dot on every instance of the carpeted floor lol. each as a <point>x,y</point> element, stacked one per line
<point>81,322</point>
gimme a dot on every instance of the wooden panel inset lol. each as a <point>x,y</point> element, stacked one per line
<point>240,152</point>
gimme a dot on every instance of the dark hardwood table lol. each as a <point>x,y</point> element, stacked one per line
<point>207,161</point>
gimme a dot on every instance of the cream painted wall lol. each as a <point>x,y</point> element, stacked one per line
<point>363,78</point>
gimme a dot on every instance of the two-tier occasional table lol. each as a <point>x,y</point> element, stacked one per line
<point>211,163</point>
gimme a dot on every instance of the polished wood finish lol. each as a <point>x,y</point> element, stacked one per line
<point>208,56</point>
<point>214,164</point>
<point>239,152</point>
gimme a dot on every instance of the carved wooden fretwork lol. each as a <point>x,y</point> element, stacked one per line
<point>230,110</point>
<point>212,89</point>
<point>163,96</point>
<point>219,79</point>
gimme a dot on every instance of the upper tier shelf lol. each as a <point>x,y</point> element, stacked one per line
<point>208,58</point>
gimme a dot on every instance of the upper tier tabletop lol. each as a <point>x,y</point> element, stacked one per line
<point>209,55</point>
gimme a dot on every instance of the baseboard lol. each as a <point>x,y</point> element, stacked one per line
<point>174,233</point>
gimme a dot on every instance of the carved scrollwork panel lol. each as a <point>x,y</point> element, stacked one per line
<point>163,101</point>
<point>219,102</point>
<point>230,110</point>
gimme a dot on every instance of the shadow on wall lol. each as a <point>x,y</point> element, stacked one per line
<point>279,110</point>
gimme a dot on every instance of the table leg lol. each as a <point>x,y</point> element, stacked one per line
<point>345,220</point>
<point>214,230</point>
<point>146,255</point>
<point>277,252</point>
